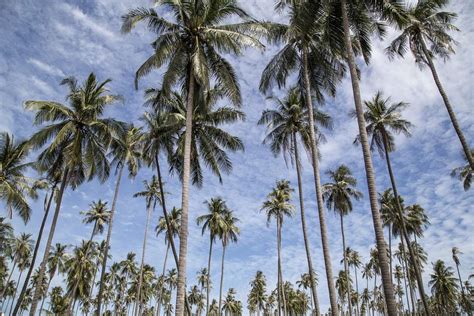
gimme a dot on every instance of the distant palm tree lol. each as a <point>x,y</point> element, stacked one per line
<point>444,288</point>
<point>79,140</point>
<point>56,264</point>
<point>338,195</point>
<point>426,35</point>
<point>464,173</point>
<point>278,206</point>
<point>456,252</point>
<point>257,297</point>
<point>354,260</point>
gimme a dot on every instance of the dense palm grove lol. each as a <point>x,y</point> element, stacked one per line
<point>183,131</point>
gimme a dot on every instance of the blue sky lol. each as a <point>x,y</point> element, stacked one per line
<point>43,41</point>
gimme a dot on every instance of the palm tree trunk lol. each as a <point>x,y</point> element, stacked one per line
<point>140,276</point>
<point>16,289</point>
<point>45,293</point>
<point>183,233</point>
<point>460,280</point>
<point>279,294</point>
<point>282,291</point>
<point>107,241</point>
<point>407,275</point>
<point>8,280</point>
<point>158,306</point>
<point>390,249</point>
<point>222,277</point>
<point>208,276</point>
<point>413,258</point>
<point>357,290</point>
<point>405,282</point>
<point>303,227</point>
<point>319,195</point>
<point>346,268</point>
<point>452,116</point>
<point>35,251</point>
<point>42,269</point>
<point>378,228</point>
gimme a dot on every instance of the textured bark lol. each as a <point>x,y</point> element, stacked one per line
<point>346,267</point>
<point>319,193</point>
<point>42,270</point>
<point>377,222</point>
<point>357,290</point>
<point>107,241</point>
<point>183,234</point>
<point>140,276</point>
<point>303,227</point>
<point>208,276</point>
<point>449,108</point>
<point>222,277</point>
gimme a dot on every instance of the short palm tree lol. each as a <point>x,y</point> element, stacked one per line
<point>426,35</point>
<point>338,195</point>
<point>277,206</point>
<point>464,173</point>
<point>286,125</point>
<point>444,288</point>
<point>79,138</point>
<point>191,46</point>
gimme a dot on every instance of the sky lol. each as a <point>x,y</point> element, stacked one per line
<point>41,42</point>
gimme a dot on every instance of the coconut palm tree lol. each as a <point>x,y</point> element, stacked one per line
<point>6,235</point>
<point>277,206</point>
<point>444,288</point>
<point>426,35</point>
<point>464,173</point>
<point>257,297</point>
<point>456,252</point>
<point>191,47</point>
<point>286,124</point>
<point>152,196</point>
<point>354,260</point>
<point>79,138</point>
<point>343,286</point>
<point>338,195</point>
<point>305,52</point>
<point>305,283</point>
<point>228,233</point>
<point>125,152</point>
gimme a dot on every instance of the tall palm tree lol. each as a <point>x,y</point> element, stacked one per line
<point>443,288</point>
<point>306,282</point>
<point>338,195</point>
<point>214,223</point>
<point>302,40</point>
<point>456,252</point>
<point>464,173</point>
<point>354,260</point>
<point>426,35</point>
<point>229,233</point>
<point>56,264</point>
<point>23,264</point>
<point>287,124</point>
<point>15,186</point>
<point>191,47</point>
<point>152,196</point>
<point>125,150</point>
<point>79,139</point>
<point>277,206</point>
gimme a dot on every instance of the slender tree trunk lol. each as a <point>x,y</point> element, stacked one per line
<point>183,234</point>
<point>303,227</point>
<point>390,249</point>
<point>413,258</point>
<point>378,228</point>
<point>158,305</point>
<point>460,280</point>
<point>140,276</point>
<point>346,268</point>
<point>16,289</point>
<point>279,288</point>
<point>222,277</point>
<point>449,108</point>
<point>357,290</point>
<point>46,293</point>
<point>280,268</point>
<point>412,294</point>
<point>405,281</point>
<point>42,269</point>
<point>208,275</point>
<point>319,195</point>
<point>107,241</point>
<point>8,280</point>
<point>35,251</point>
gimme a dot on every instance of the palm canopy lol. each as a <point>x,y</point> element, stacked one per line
<point>6,235</point>
<point>79,135</point>
<point>125,149</point>
<point>290,118</point>
<point>98,214</point>
<point>80,269</point>
<point>215,220</point>
<point>278,203</point>
<point>425,23</point>
<point>194,41</point>
<point>444,288</point>
<point>383,119</point>
<point>20,249</point>
<point>151,193</point>
<point>340,192</point>
<point>230,230</point>
<point>464,173</point>
<point>15,187</point>
<point>175,223</point>
<point>57,260</point>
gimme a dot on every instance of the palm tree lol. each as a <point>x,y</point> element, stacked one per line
<point>354,260</point>
<point>426,35</point>
<point>302,40</point>
<point>285,124</point>
<point>191,47</point>
<point>257,297</point>
<point>152,196</point>
<point>15,187</point>
<point>278,206</point>
<point>214,223</point>
<point>343,286</point>
<point>443,288</point>
<point>79,138</point>
<point>203,278</point>
<point>228,233</point>
<point>338,195</point>
<point>23,264</point>
<point>125,151</point>
<point>56,264</point>
<point>305,282</point>
<point>6,235</point>
<point>464,173</point>
<point>456,252</point>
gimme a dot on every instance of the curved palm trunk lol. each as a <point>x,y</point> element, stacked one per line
<point>378,228</point>
<point>460,280</point>
<point>183,233</point>
<point>158,305</point>
<point>407,276</point>
<point>208,276</point>
<point>46,293</point>
<point>107,242</point>
<point>16,289</point>
<point>35,252</point>
<point>8,280</point>
<point>449,108</point>
<point>413,258</point>
<point>319,195</point>
<point>42,270</point>
<point>346,268</point>
<point>314,293</point>
<point>138,302</point>
<point>222,277</point>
